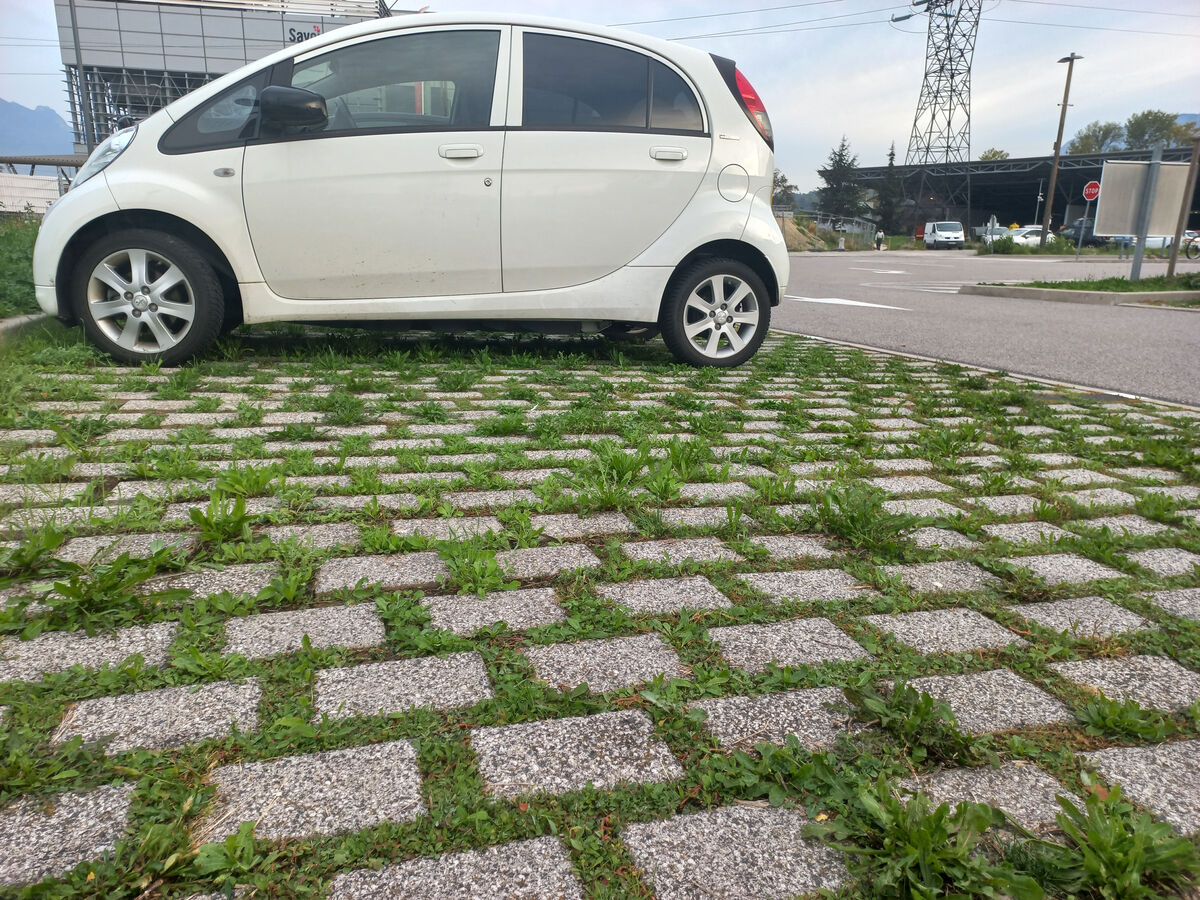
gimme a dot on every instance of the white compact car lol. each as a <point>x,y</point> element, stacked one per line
<point>944,234</point>
<point>510,172</point>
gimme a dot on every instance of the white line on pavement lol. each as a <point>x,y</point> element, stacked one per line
<point>838,301</point>
<point>879,271</point>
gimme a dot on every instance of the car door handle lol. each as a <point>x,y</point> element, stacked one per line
<point>460,151</point>
<point>675,153</point>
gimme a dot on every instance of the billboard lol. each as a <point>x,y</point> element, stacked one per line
<point>1122,188</point>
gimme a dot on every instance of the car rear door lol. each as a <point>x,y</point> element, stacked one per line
<point>606,146</point>
<point>397,195</point>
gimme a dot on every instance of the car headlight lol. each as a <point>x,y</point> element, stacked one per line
<point>104,154</point>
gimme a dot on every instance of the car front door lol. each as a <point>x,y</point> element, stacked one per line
<point>398,193</point>
<point>606,146</point>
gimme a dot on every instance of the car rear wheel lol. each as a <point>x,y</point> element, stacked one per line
<point>716,313</point>
<point>147,296</point>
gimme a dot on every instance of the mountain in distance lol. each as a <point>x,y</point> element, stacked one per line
<point>30,132</point>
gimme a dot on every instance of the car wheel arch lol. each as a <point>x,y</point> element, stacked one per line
<point>149,219</point>
<point>728,249</point>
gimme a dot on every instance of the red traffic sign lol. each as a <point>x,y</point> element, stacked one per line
<point>1091,190</point>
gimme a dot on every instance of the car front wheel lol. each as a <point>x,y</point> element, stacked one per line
<point>716,313</point>
<point>147,296</point>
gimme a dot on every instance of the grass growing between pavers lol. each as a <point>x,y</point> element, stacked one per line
<point>379,448</point>
<point>1188,281</point>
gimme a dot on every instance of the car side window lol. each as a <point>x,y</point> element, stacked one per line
<point>439,80</point>
<point>224,121</point>
<point>673,104</point>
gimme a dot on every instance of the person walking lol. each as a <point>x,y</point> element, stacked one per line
<point>879,239</point>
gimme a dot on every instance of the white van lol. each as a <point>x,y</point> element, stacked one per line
<point>944,234</point>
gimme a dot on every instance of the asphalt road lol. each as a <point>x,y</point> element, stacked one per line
<point>909,301</point>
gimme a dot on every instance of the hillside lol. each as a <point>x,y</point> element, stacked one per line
<point>25,131</point>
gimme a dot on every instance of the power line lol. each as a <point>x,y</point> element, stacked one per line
<point>736,12</point>
<point>781,30</point>
<point>1095,28</point>
<point>782,26</point>
<point>1091,8</point>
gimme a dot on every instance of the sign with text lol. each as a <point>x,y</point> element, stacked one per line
<point>1124,183</point>
<point>1091,191</point>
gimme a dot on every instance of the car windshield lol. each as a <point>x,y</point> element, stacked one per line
<point>948,226</point>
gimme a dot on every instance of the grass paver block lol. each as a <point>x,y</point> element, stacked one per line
<point>1026,793</point>
<point>1063,568</point>
<point>546,562</point>
<point>930,538</point>
<point>996,700</point>
<point>246,579</point>
<point>808,584</point>
<point>267,634</point>
<point>106,547</point>
<point>456,529</point>
<point>555,756</point>
<point>928,507</point>
<point>1182,492</point>
<point>1076,477</point>
<point>360,501</point>
<point>320,537</point>
<point>683,550</point>
<point>909,484</point>
<point>397,685</point>
<point>705,517</point>
<point>1007,505</point>
<point>1026,532</point>
<point>520,609</point>
<point>734,852</point>
<point>605,665</point>
<point>1167,562</point>
<point>388,572</point>
<point>664,595</point>
<point>942,577</point>
<point>490,499</point>
<point>1153,681</point>
<point>945,630</point>
<point>163,718</point>
<point>1083,617</point>
<point>794,546</point>
<point>537,869</point>
<point>1184,603</point>
<point>564,526</point>
<point>715,491</point>
<point>1164,778</point>
<point>1119,525</point>
<point>57,651</point>
<point>794,642</point>
<point>1100,497</point>
<point>50,836</point>
<point>742,722</point>
<point>318,793</point>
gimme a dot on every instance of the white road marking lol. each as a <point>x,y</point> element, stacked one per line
<point>838,301</point>
<point>923,287</point>
<point>879,271</point>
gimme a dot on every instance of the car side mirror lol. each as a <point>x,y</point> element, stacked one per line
<point>292,106</point>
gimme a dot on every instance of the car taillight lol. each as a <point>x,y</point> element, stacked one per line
<point>754,107</point>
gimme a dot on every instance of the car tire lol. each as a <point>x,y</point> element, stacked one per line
<point>134,291</point>
<point>715,313</point>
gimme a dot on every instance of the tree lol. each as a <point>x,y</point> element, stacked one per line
<point>1097,137</point>
<point>993,154</point>
<point>889,196</point>
<point>842,195</point>
<point>782,190</point>
<point>1149,129</point>
<point>1183,134</point>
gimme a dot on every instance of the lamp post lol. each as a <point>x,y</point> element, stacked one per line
<point>1062,121</point>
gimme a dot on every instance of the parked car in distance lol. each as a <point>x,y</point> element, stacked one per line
<point>1082,227</point>
<point>496,171</point>
<point>987,235</point>
<point>944,234</point>
<point>1028,236</point>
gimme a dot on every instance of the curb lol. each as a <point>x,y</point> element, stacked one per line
<point>1093,298</point>
<point>18,325</point>
<point>1191,309</point>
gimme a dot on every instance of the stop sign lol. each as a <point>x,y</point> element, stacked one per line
<point>1091,190</point>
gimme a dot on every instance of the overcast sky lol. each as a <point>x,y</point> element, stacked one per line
<point>842,69</point>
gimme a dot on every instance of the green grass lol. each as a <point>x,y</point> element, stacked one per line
<point>17,235</point>
<point>1189,281</point>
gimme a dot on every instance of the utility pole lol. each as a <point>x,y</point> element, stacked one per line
<point>1185,208</point>
<point>1062,121</point>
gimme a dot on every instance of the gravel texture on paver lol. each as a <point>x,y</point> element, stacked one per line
<point>735,853</point>
<point>705,517</point>
<point>57,651</point>
<point>464,614</point>
<point>163,718</point>
<point>565,526</point>
<point>716,491</point>
<point>1153,681</point>
<point>1083,617</point>
<point>1026,532</point>
<point>1100,497</point>
<point>105,548</point>
<point>388,572</point>
<point>929,538</point>
<point>1063,568</point>
<point>945,630</point>
<point>909,484</point>
<point>456,529</point>
<point>268,634</point>
<point>942,577</point>
<point>794,546</point>
<point>1164,778</point>
<point>1167,562</point>
<point>546,562</point>
<point>536,869</point>
<point>320,537</point>
<point>1007,504</point>
<point>50,836</point>
<point>398,685</point>
<point>1120,525</point>
<point>555,756</point>
<point>607,664</point>
<point>794,642</point>
<point>1184,603</point>
<point>318,793</point>
<point>246,579</point>
<point>682,550</point>
<point>996,700</point>
<point>742,722</point>
<point>925,507</point>
<point>1025,792</point>
<point>664,595</point>
<point>808,584</point>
